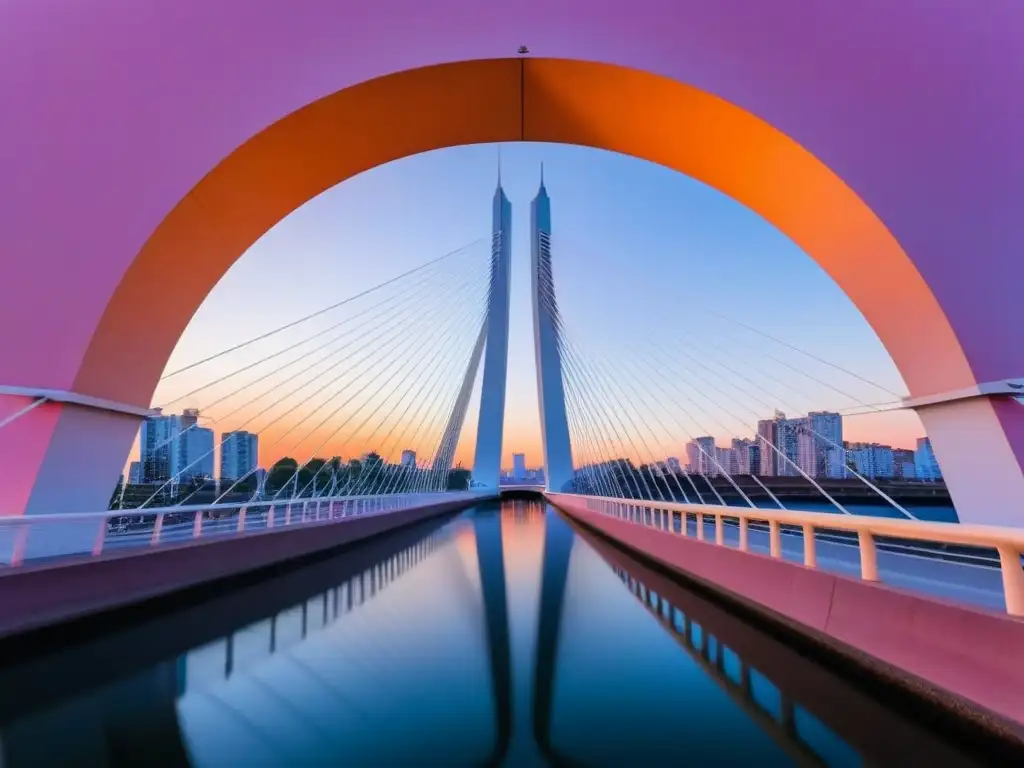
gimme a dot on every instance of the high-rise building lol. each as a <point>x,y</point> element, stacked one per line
<point>925,463</point>
<point>726,461</point>
<point>826,428</point>
<point>175,447</point>
<point>871,460</point>
<point>189,418</point>
<point>701,454</point>
<point>408,458</point>
<point>768,436</point>
<point>195,454</point>
<point>903,464</point>
<point>788,444</point>
<point>239,454</point>
<point>158,447</point>
<point>135,473</point>
<point>519,466</point>
<point>748,457</point>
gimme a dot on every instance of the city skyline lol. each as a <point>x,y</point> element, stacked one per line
<point>708,458</point>
<point>305,234</point>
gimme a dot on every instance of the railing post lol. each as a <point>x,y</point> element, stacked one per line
<point>270,516</point>
<point>775,538</point>
<point>684,520</point>
<point>719,530</point>
<point>197,524</point>
<point>744,535</point>
<point>700,526</point>
<point>810,555</point>
<point>1013,579</point>
<point>20,542</point>
<point>241,519</point>
<point>157,527</point>
<point>868,556</point>
<point>101,537</point>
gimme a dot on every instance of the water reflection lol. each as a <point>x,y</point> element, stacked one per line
<point>494,637</point>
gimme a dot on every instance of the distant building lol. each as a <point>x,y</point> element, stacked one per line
<point>826,432</point>
<point>748,457</point>
<point>692,458</point>
<point>519,466</point>
<point>174,446</point>
<point>839,462</point>
<point>408,458</point>
<point>701,456</point>
<point>726,461</point>
<point>673,465</point>
<point>239,454</point>
<point>787,443</point>
<point>158,447</point>
<point>135,473</point>
<point>871,460</point>
<point>791,447</point>
<point>767,437</point>
<point>903,464</point>
<point>195,454</point>
<point>926,466</point>
<point>189,418</point>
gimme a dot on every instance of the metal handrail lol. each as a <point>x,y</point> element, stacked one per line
<point>268,515</point>
<point>1007,542</point>
<point>21,520</point>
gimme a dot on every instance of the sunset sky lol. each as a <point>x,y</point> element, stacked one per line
<point>646,260</point>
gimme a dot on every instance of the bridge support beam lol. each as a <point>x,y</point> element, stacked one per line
<point>979,444</point>
<point>62,457</point>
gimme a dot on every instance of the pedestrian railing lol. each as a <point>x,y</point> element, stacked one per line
<point>1008,543</point>
<point>41,538</point>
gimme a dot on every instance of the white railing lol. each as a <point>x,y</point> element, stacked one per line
<point>1007,542</point>
<point>48,537</point>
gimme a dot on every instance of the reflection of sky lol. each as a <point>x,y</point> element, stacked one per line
<point>646,685</point>
<point>404,678</point>
<point>639,252</point>
<point>398,681</point>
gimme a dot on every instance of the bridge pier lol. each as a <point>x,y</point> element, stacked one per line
<point>61,457</point>
<point>979,444</point>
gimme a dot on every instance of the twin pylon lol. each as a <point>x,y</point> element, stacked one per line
<point>558,468</point>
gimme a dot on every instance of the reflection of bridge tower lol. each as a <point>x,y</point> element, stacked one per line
<point>487,461</point>
<point>554,423</point>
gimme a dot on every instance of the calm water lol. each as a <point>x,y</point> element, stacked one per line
<point>498,637</point>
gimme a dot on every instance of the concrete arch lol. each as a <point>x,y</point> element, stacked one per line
<point>846,172</point>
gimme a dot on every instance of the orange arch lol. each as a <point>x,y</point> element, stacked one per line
<point>499,100</point>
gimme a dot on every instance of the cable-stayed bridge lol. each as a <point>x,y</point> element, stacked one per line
<point>368,411</point>
<point>388,376</point>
